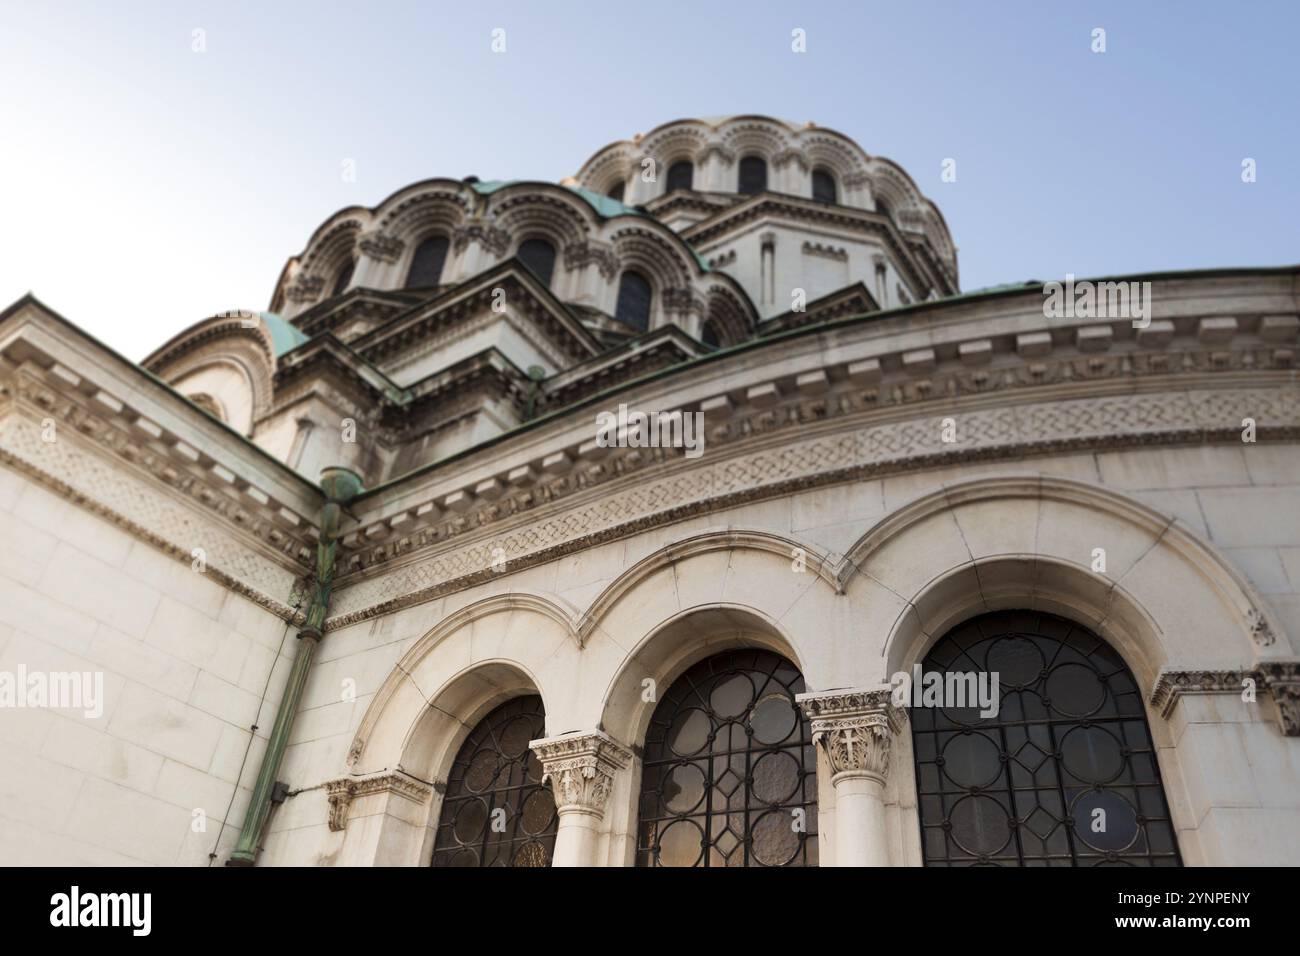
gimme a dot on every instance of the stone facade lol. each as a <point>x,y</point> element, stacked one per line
<point>869,481</point>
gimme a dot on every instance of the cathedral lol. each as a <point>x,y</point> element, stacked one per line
<point>685,512</point>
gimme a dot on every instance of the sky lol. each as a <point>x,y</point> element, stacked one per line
<point>146,183</point>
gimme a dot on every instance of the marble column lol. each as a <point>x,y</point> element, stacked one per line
<point>856,728</point>
<point>581,769</point>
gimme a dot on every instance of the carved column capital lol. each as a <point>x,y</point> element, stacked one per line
<point>856,728</point>
<point>581,769</point>
<point>1282,678</point>
<point>343,791</point>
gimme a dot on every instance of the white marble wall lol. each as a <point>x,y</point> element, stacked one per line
<point>187,667</point>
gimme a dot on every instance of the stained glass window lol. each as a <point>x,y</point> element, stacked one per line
<point>633,307</point>
<point>753,175</point>
<point>729,776</point>
<point>426,264</point>
<point>497,811</point>
<point>1064,774</point>
<point>539,256</point>
<point>823,186</point>
<point>681,175</point>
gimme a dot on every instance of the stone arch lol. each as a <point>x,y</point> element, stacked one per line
<point>843,159</point>
<point>645,251</point>
<point>755,136</point>
<point>732,315</point>
<point>335,244</point>
<point>561,219</point>
<point>1165,599</point>
<point>722,582</point>
<point>469,662</point>
<point>222,342</point>
<point>675,646</point>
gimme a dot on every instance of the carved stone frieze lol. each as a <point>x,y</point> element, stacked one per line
<point>579,254</point>
<point>383,247</point>
<point>305,288</point>
<point>831,439</point>
<point>1281,679</point>
<point>490,237</point>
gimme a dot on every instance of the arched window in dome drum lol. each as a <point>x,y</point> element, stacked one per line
<point>729,776</point>
<point>709,335</point>
<point>427,263</point>
<point>497,780</point>
<point>1064,774</point>
<point>634,300</point>
<point>681,175</point>
<point>616,191</point>
<point>883,207</point>
<point>342,278</point>
<point>823,186</point>
<point>539,256</point>
<point>753,175</point>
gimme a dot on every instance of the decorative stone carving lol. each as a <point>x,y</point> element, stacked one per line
<point>380,246</point>
<point>838,253</point>
<point>1282,678</point>
<point>581,769</point>
<point>682,299</point>
<point>343,791</point>
<point>579,254</point>
<point>496,241</point>
<point>1171,685</point>
<point>856,728</point>
<point>865,447</point>
<point>305,288</point>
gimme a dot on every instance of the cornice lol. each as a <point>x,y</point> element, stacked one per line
<point>776,452</point>
<point>798,209</point>
<point>121,465</point>
<point>1279,678</point>
<point>343,791</point>
<point>838,420</point>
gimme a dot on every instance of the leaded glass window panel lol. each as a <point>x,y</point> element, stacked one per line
<point>497,811</point>
<point>729,776</point>
<point>1065,773</point>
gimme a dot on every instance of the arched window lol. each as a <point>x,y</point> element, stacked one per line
<point>729,767</point>
<point>883,207</point>
<point>616,191</point>
<point>709,334</point>
<point>753,175</point>
<point>1064,774</point>
<point>496,770</point>
<point>343,277</point>
<point>539,256</point>
<point>634,299</point>
<point>426,264</point>
<point>681,175</point>
<point>823,186</point>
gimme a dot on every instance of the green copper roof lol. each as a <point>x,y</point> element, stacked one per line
<point>284,336</point>
<point>604,205</point>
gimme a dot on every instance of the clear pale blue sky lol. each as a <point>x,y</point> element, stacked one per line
<point>144,186</point>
